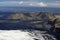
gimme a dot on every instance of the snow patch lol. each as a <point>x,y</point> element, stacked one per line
<point>16,35</point>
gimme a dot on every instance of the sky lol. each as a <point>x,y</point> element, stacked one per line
<point>34,3</point>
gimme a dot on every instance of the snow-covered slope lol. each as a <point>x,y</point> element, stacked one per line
<point>25,35</point>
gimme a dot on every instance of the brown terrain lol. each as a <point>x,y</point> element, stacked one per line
<point>58,21</point>
<point>38,20</point>
<point>44,16</point>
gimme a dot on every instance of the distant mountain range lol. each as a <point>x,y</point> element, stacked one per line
<point>31,16</point>
<point>19,20</point>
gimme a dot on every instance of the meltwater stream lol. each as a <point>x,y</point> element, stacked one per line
<point>25,35</point>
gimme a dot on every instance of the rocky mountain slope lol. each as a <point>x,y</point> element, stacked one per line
<point>19,20</point>
<point>32,16</point>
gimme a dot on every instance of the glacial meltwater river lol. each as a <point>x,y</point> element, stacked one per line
<point>25,35</point>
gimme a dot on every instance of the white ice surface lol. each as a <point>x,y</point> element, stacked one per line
<point>17,35</point>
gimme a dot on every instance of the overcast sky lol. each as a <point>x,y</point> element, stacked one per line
<point>35,3</point>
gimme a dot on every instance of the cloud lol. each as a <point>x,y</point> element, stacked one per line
<point>42,4</point>
<point>57,1</point>
<point>53,4</point>
<point>29,3</point>
<point>8,3</point>
<point>21,2</point>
